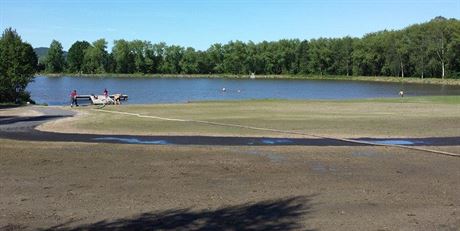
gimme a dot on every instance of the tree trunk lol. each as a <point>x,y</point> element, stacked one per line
<point>423,67</point>
<point>442,59</point>
<point>443,69</point>
<point>440,53</point>
<point>402,70</point>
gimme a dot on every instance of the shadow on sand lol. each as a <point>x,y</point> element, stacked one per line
<point>282,214</point>
<point>4,120</point>
<point>8,106</point>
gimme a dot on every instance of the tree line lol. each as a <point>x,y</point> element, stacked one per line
<point>430,49</point>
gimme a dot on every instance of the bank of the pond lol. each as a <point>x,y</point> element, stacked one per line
<point>439,81</point>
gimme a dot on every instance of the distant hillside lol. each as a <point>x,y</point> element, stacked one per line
<point>43,51</point>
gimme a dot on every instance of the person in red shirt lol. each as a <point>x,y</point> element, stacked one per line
<point>73,98</point>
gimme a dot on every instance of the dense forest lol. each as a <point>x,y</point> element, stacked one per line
<point>430,49</point>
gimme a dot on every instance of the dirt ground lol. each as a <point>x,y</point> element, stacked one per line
<point>101,186</point>
<point>81,186</point>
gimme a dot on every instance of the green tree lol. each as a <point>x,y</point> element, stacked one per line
<point>453,53</point>
<point>138,49</point>
<point>111,64</point>
<point>235,55</point>
<point>149,58</point>
<point>369,55</point>
<point>254,61</point>
<point>55,61</point>
<point>320,56</point>
<point>266,57</point>
<point>76,56</point>
<point>123,57</point>
<point>403,44</point>
<point>157,56</point>
<point>439,42</point>
<point>303,57</point>
<point>204,63</point>
<point>171,62</point>
<point>286,49</point>
<point>392,62</point>
<point>342,59</point>
<point>189,62</point>
<point>216,58</point>
<point>18,63</point>
<point>95,60</point>
<point>419,51</point>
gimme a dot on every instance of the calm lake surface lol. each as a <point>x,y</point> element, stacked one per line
<point>56,90</point>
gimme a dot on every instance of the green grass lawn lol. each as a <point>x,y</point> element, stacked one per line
<point>418,99</point>
<point>396,117</point>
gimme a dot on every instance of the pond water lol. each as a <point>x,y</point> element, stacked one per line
<point>56,90</point>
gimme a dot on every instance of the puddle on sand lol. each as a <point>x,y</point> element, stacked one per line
<point>394,142</point>
<point>276,141</point>
<point>132,140</point>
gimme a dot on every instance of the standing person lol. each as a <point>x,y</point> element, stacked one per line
<point>107,99</point>
<point>106,93</point>
<point>117,99</point>
<point>73,98</point>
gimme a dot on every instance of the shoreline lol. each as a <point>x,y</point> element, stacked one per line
<point>164,119</point>
<point>36,124</point>
<point>383,79</point>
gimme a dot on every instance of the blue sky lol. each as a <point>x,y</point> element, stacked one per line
<point>200,23</point>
